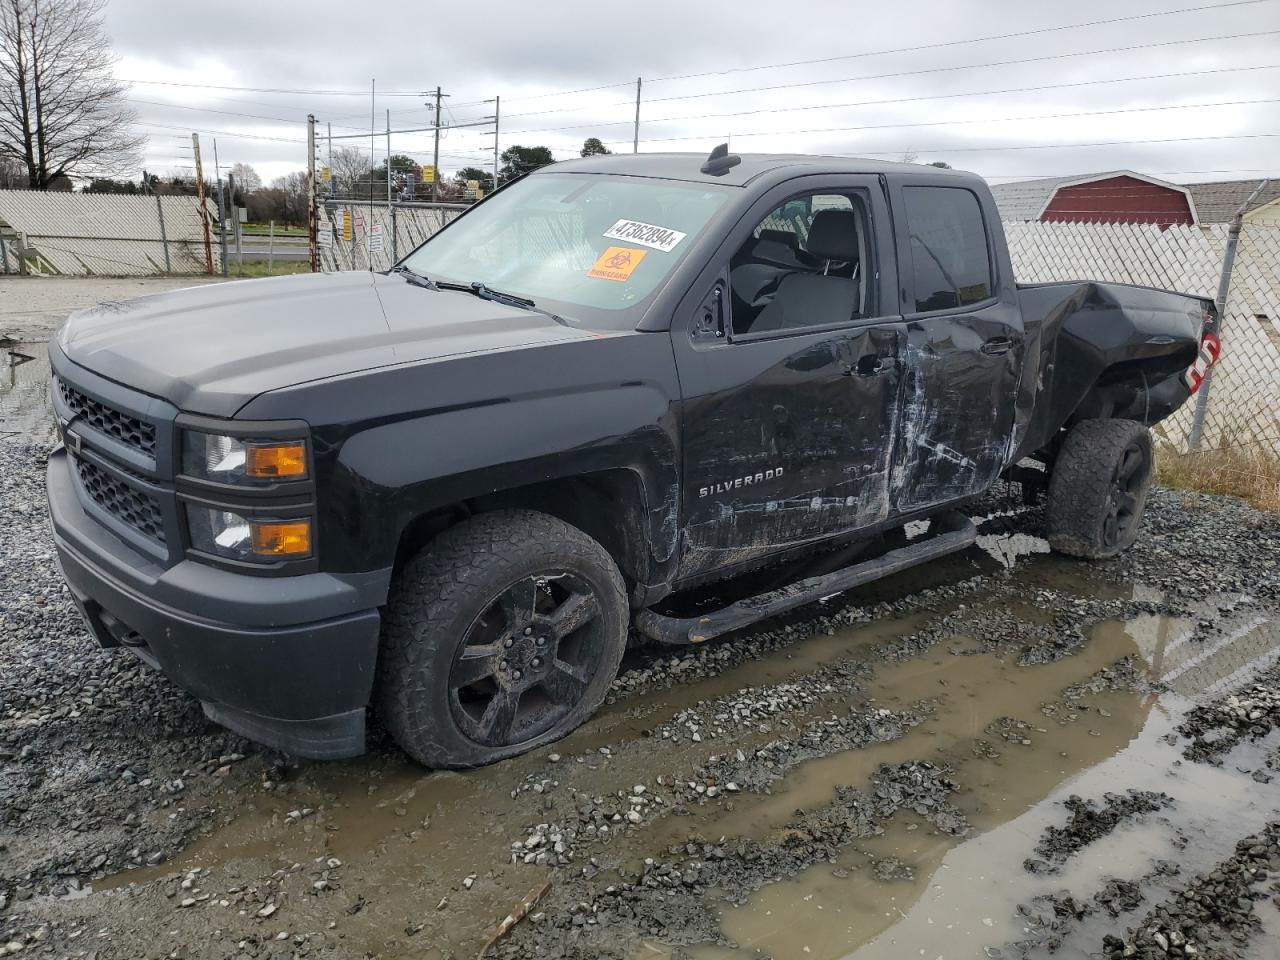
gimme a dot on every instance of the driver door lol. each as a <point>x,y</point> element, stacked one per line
<point>789,368</point>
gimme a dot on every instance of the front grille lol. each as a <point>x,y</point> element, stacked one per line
<point>133,507</point>
<point>128,430</point>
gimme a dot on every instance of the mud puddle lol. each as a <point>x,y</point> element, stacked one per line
<point>377,857</point>
<point>915,891</point>
<point>24,390</point>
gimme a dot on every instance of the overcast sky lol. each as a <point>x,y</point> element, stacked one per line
<point>704,65</point>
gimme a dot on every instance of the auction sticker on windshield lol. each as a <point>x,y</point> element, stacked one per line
<point>645,234</point>
<point>617,263</point>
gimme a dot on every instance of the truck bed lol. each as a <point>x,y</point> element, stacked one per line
<point>1105,349</point>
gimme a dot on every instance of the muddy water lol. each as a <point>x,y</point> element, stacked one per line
<point>964,894</point>
<point>24,390</point>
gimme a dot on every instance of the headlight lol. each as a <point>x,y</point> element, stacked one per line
<point>221,459</point>
<point>227,534</point>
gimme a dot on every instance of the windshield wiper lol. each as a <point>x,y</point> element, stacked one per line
<point>479,289</point>
<point>417,279</point>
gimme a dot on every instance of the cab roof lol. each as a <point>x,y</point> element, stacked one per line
<point>686,166</point>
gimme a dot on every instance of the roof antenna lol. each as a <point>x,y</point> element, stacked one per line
<point>720,161</point>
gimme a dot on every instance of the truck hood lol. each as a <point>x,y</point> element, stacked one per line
<point>211,349</point>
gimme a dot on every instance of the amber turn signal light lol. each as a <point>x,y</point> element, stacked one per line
<point>276,461</point>
<point>289,539</point>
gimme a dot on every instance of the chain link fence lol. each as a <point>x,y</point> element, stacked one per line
<point>1242,411</point>
<point>81,234</point>
<point>357,235</point>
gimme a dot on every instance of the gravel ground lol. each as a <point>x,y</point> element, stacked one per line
<point>714,775</point>
<point>31,307</point>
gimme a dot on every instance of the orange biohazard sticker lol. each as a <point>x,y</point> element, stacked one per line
<point>617,263</point>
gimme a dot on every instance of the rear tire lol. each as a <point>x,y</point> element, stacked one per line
<point>502,635</point>
<point>1098,489</point>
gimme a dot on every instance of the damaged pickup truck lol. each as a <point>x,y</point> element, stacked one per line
<point>448,492</point>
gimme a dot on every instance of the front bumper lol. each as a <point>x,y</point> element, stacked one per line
<point>286,661</point>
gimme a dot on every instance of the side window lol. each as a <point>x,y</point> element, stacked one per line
<point>950,263</point>
<point>804,265</point>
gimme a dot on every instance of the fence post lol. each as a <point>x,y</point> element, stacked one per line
<point>1224,291</point>
<point>4,253</point>
<point>164,238</point>
<point>271,246</point>
<point>395,244</point>
<point>21,247</point>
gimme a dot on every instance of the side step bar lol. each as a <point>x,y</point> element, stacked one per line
<point>947,533</point>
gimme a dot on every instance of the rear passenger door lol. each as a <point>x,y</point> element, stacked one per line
<point>788,363</point>
<point>964,343</point>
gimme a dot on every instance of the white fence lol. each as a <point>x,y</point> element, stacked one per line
<point>102,234</point>
<point>1244,396</point>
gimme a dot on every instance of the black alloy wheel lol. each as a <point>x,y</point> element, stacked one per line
<point>527,660</point>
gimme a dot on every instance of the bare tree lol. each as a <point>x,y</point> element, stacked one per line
<point>12,173</point>
<point>62,112</point>
<point>351,172</point>
<point>909,156</point>
<point>247,179</point>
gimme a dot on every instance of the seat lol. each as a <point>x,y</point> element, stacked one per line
<point>815,299</point>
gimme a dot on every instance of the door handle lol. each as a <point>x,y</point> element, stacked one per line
<point>997,346</point>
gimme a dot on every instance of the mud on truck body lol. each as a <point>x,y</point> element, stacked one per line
<point>450,492</point>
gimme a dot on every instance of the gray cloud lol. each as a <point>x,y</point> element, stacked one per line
<point>525,54</point>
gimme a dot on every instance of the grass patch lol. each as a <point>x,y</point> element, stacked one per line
<point>1249,474</point>
<point>264,229</point>
<point>258,268</point>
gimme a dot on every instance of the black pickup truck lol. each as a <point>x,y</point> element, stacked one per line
<point>450,491</point>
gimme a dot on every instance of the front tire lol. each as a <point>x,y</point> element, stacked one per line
<point>1099,487</point>
<point>502,635</point>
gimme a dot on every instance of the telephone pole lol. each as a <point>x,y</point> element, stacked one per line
<point>312,225</point>
<point>435,156</point>
<point>635,143</point>
<point>435,160</point>
<point>497,119</point>
<point>204,211</point>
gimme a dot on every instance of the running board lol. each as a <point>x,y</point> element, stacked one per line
<point>947,533</point>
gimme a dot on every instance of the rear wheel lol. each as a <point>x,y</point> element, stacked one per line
<point>502,635</point>
<point>1099,486</point>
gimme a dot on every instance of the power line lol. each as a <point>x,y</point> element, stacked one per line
<point>921,72</point>
<point>1057,146</point>
<point>994,63</point>
<point>731,70</point>
<point>220,133</point>
<point>296,90</point>
<point>956,43</point>
<point>894,100</point>
<point>946,123</point>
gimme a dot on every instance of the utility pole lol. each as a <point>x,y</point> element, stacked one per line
<point>222,209</point>
<point>204,211</point>
<point>635,142</point>
<point>435,160</point>
<point>311,191</point>
<point>388,161</point>
<point>497,118</point>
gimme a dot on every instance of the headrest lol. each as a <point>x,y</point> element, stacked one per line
<point>833,235</point>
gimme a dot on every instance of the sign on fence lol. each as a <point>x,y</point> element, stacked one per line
<point>375,238</point>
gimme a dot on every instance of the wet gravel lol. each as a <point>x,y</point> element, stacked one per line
<point>1247,714</point>
<point>1089,822</point>
<point>1212,916</point>
<point>106,766</point>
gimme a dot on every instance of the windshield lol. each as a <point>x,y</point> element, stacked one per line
<point>590,248</point>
